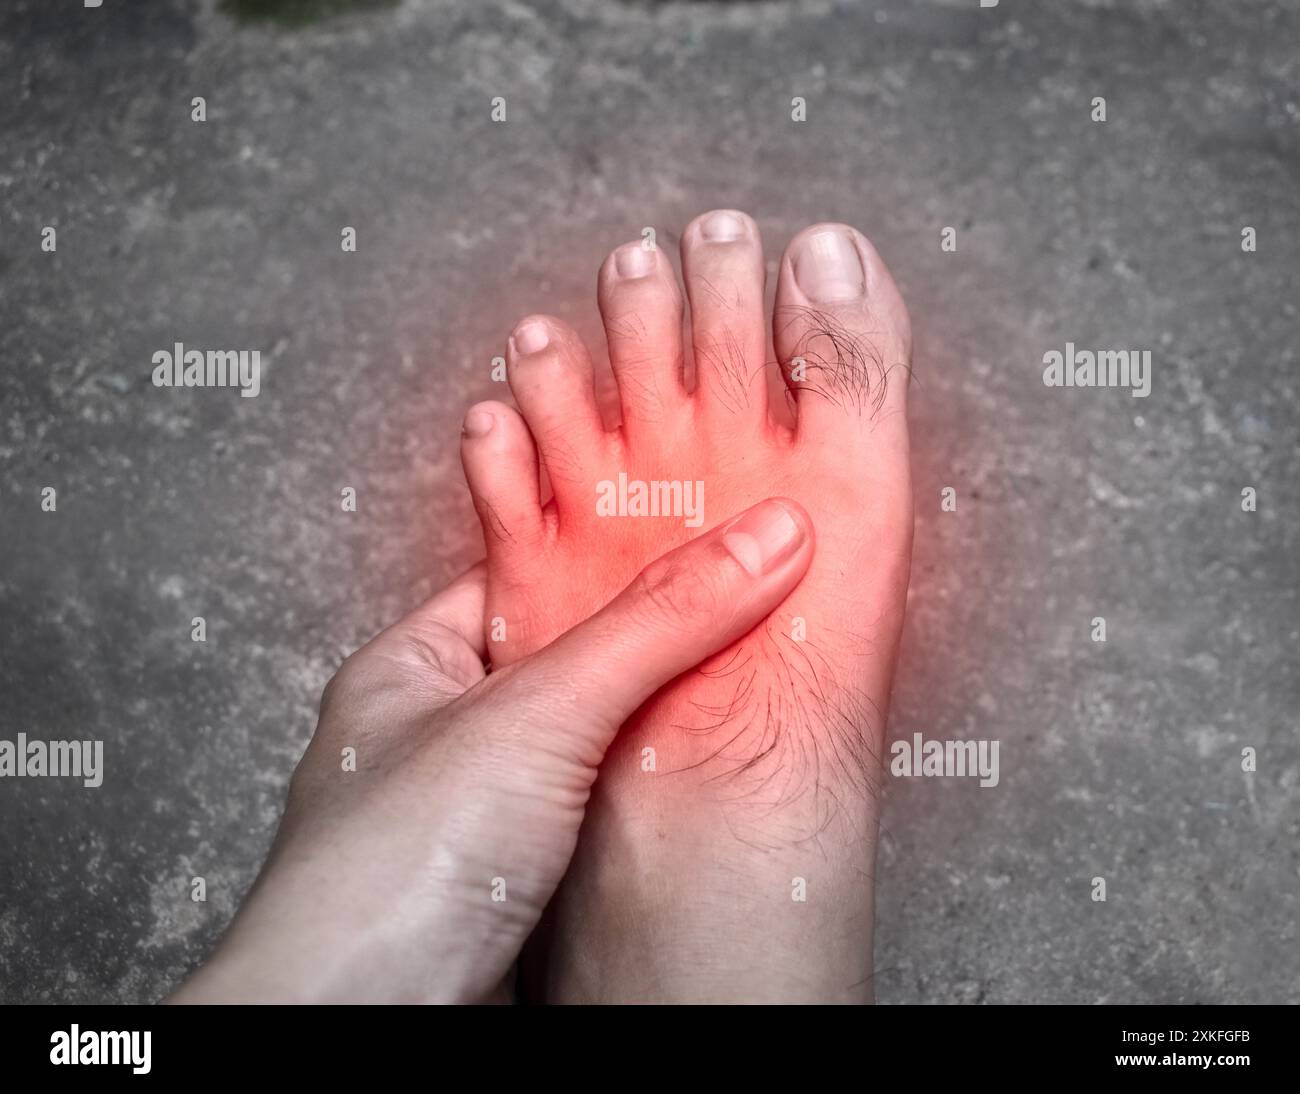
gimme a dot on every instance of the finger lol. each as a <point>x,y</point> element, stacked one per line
<point>441,642</point>
<point>683,607</point>
<point>457,609</point>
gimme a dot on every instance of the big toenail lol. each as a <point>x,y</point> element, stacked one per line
<point>828,269</point>
<point>634,260</point>
<point>722,227</point>
<point>478,422</point>
<point>531,338</point>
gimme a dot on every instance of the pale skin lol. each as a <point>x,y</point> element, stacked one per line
<point>737,867</point>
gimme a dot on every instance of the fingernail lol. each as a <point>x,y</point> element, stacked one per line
<point>763,538</point>
<point>722,227</point>
<point>531,337</point>
<point>478,422</point>
<point>828,269</point>
<point>634,260</point>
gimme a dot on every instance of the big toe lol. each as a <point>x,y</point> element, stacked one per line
<point>842,334</point>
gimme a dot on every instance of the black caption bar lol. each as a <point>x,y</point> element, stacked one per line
<point>214,1044</point>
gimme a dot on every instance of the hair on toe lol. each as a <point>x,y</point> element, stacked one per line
<point>840,365</point>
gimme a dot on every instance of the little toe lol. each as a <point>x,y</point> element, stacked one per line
<point>500,462</point>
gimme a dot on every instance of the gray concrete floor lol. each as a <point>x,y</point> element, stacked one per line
<point>1120,760</point>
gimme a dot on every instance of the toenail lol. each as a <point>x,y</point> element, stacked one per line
<point>478,422</point>
<point>634,260</point>
<point>763,538</point>
<point>827,268</point>
<point>531,337</point>
<point>722,227</point>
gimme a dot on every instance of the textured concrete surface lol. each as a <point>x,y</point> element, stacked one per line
<point>1119,760</point>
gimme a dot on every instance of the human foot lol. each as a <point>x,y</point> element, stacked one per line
<point>730,843</point>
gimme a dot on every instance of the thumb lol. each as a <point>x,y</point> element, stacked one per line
<point>680,609</point>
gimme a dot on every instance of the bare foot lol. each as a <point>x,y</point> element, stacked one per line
<point>729,848</point>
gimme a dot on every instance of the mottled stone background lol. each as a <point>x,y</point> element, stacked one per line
<point>1119,760</point>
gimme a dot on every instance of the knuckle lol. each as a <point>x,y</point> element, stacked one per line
<point>440,656</point>
<point>340,686</point>
<point>683,593</point>
<point>355,683</point>
<point>432,648</point>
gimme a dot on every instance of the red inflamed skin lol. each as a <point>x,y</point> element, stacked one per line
<point>729,845</point>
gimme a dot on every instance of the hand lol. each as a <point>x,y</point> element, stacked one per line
<point>417,872</point>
